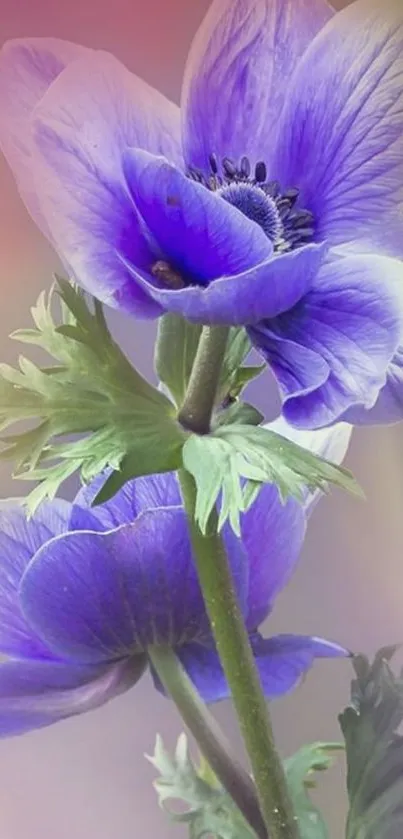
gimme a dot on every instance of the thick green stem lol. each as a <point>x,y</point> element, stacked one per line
<point>230,633</point>
<point>195,413</point>
<point>208,736</point>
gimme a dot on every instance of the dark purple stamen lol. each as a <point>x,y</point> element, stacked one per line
<point>229,167</point>
<point>245,167</point>
<point>260,172</point>
<point>263,201</point>
<point>213,163</point>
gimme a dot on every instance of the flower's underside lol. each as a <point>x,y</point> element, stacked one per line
<point>85,591</point>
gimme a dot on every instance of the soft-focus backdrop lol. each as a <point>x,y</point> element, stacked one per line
<point>86,778</point>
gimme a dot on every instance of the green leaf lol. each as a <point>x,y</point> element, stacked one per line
<point>92,392</point>
<point>175,351</point>
<point>234,377</point>
<point>209,812</point>
<point>299,770</point>
<point>374,749</point>
<point>234,461</point>
<point>242,377</point>
<point>238,412</point>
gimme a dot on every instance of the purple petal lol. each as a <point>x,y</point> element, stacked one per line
<point>272,534</point>
<point>145,493</point>
<point>203,665</point>
<point>97,596</point>
<point>284,659</point>
<point>199,234</point>
<point>20,539</point>
<point>27,68</point>
<point>352,322</point>
<point>281,661</point>
<point>330,443</point>
<point>81,130</point>
<point>298,369</point>
<point>340,138</point>
<point>207,239</point>
<point>388,408</point>
<point>237,72</point>
<point>36,694</point>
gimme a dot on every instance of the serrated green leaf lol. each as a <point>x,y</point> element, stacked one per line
<point>210,812</point>
<point>285,463</point>
<point>92,391</point>
<point>222,461</point>
<point>374,749</point>
<point>299,770</point>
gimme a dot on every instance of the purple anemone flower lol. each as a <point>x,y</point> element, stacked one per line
<point>272,199</point>
<point>84,593</point>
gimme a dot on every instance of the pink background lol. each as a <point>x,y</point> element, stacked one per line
<point>86,778</point>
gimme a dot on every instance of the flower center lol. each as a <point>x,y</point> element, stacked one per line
<point>256,205</point>
<point>261,200</point>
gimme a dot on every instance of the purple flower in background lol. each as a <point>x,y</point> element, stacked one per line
<point>85,591</point>
<point>272,200</point>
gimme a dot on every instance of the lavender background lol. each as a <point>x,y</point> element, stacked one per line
<point>86,778</point>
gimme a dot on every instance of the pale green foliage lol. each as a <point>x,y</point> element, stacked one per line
<point>209,810</point>
<point>91,391</point>
<point>233,463</point>
<point>300,771</point>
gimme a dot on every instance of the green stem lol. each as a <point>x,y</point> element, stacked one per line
<point>195,413</point>
<point>229,629</point>
<point>208,736</point>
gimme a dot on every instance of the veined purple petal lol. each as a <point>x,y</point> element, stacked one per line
<point>330,443</point>
<point>270,288</point>
<point>135,497</point>
<point>36,694</point>
<point>237,72</point>
<point>281,661</point>
<point>388,408</point>
<point>284,659</point>
<point>297,368</point>
<point>203,666</point>
<point>198,233</point>
<point>28,66</point>
<point>98,596</point>
<point>352,322</point>
<point>340,136</point>
<point>272,534</point>
<point>20,539</point>
<point>83,124</point>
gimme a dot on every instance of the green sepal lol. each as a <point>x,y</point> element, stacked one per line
<point>91,392</point>
<point>374,749</point>
<point>234,462</point>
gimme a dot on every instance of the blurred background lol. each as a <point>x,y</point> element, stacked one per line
<point>86,778</point>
